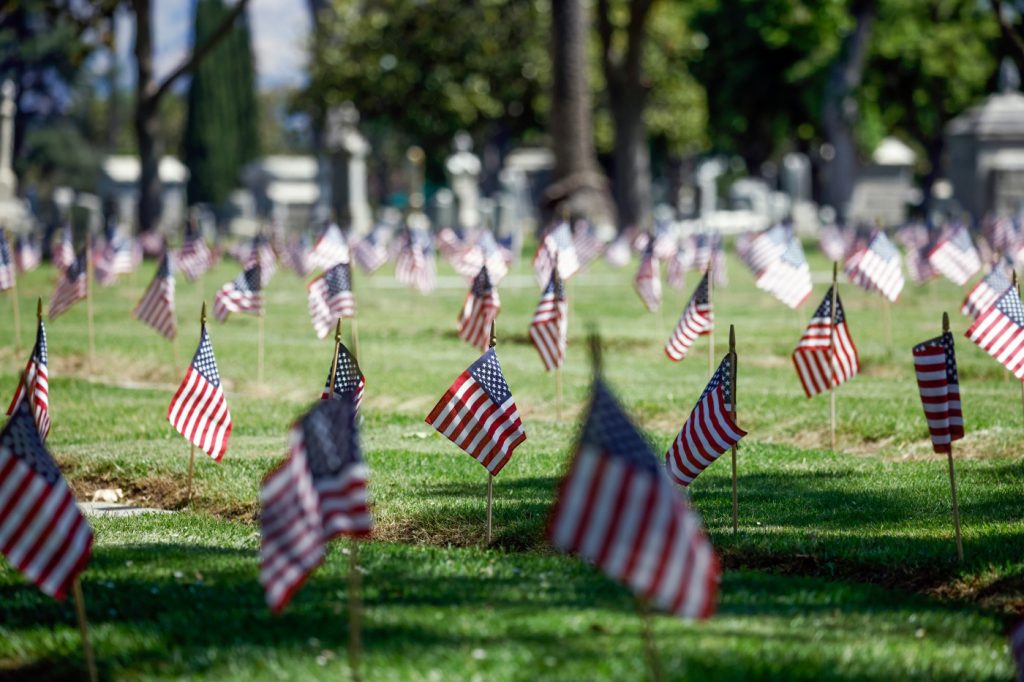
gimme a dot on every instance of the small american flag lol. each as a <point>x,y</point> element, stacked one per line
<point>157,305</point>
<point>588,246</point>
<point>348,378</point>
<point>938,382</point>
<point>64,251</point>
<point>314,496</point>
<point>195,257</point>
<point>241,295</point>
<point>1000,232</point>
<point>999,331</point>
<point>262,254</point>
<point>295,255</point>
<point>709,252</point>
<point>371,252</point>
<point>955,256</point>
<point>72,287</point>
<point>483,251</point>
<point>679,264</point>
<point>479,311</point>
<point>811,355</point>
<point>199,410</point>
<point>556,247</point>
<point>647,281</point>
<point>708,432</point>
<point>1017,647</point>
<point>450,243</point>
<point>550,326</point>
<point>330,248</point>
<point>617,509</point>
<point>26,253</point>
<point>918,265</point>
<point>331,298</point>
<point>6,264</point>
<point>875,266</point>
<point>986,291</point>
<point>697,319</point>
<point>761,250</point>
<point>414,264</point>
<point>36,379</point>
<point>788,278</point>
<point>46,537</point>
<point>478,414</point>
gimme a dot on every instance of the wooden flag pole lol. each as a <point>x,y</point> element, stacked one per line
<point>334,361</point>
<point>711,334</point>
<point>83,628</point>
<point>952,476</point>
<point>355,611</point>
<point>89,272</point>
<point>732,413</point>
<point>192,452</point>
<point>490,476</point>
<point>832,359</point>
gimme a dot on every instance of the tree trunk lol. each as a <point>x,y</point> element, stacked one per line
<point>632,159</point>
<point>147,121</point>
<point>839,109</point>
<point>577,184</point>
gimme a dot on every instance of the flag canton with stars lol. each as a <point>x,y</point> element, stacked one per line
<point>1009,304</point>
<point>487,372</point>
<point>609,429</point>
<point>794,253</point>
<point>75,270</point>
<point>39,353</point>
<point>700,296</point>
<point>330,437</point>
<point>825,309</point>
<point>883,248</point>
<point>945,342</point>
<point>998,280</point>
<point>338,279</point>
<point>722,377</point>
<point>347,377</point>
<point>21,439</point>
<point>5,253</point>
<point>204,362</point>
<point>556,286</point>
<point>165,267</point>
<point>249,280</point>
<point>482,283</point>
<point>960,239</point>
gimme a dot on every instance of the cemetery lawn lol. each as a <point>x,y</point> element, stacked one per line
<point>844,566</point>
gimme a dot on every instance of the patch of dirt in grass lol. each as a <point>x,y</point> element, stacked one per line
<point>985,444</point>
<point>166,492</point>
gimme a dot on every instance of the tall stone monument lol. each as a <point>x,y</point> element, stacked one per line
<point>463,168</point>
<point>348,151</point>
<point>12,210</point>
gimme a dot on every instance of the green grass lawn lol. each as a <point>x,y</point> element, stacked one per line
<point>844,566</point>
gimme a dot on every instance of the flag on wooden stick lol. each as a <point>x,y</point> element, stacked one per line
<point>697,319</point>
<point>788,277</point>
<point>955,256</point>
<point>36,378</point>
<point>557,247</point>
<point>331,298</point>
<point>999,331</point>
<point>199,409</point>
<point>708,432</point>
<point>26,253</point>
<point>415,263</point>
<point>330,248</point>
<point>550,326</point>
<point>617,509</point>
<point>157,305</point>
<point>348,378</point>
<point>876,266</point>
<point>478,414</point>
<point>241,295</point>
<point>647,281</point>
<point>194,258</point>
<point>45,535</point>
<point>314,496</point>
<point>479,311</point>
<point>811,356</point>
<point>72,287</point>
<point>939,385</point>
<point>987,290</point>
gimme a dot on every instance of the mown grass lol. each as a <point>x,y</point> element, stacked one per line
<point>844,566</point>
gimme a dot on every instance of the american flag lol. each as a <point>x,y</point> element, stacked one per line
<point>450,243</point>
<point>708,432</point>
<point>45,535</point>
<point>72,287</point>
<point>199,410</point>
<point>479,310</point>
<point>666,242</point>
<point>258,252</point>
<point>986,291</point>
<point>588,246</point>
<point>415,264</point>
<point>937,379</point>
<point>331,298</point>
<point>115,255</point>
<point>64,251</point>
<point>36,378</point>
<point>617,509</point>
<point>834,242</point>
<point>875,266</point>
<point>955,256</point>
<point>241,295</point>
<point>295,255</point>
<point>550,326</point>
<point>556,247</point>
<point>697,319</point>
<point>788,278</point>
<point>1017,647</point>
<point>763,249</point>
<point>371,253</point>
<point>647,281</point>
<point>314,496</point>
<point>999,331</point>
<point>6,264</point>
<point>709,251</point>
<point>1000,232</point>
<point>811,356</point>
<point>679,264</point>
<point>483,251</point>
<point>157,305</point>
<point>348,379</point>
<point>918,265</point>
<point>330,248</point>
<point>195,257</point>
<point>152,243</point>
<point>478,414</point>
<point>618,252</point>
<point>26,253</point>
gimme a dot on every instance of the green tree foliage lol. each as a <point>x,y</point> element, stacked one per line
<point>221,128</point>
